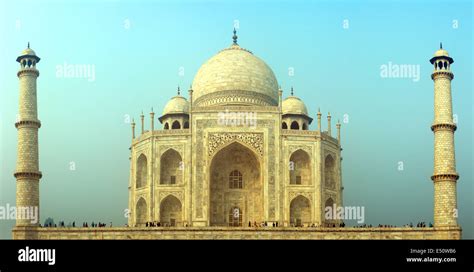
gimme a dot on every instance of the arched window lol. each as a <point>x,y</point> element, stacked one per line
<point>284,125</point>
<point>445,65</point>
<point>329,210</point>
<point>294,125</point>
<point>140,212</point>
<point>186,124</point>
<point>329,204</point>
<point>235,180</point>
<point>329,172</point>
<point>300,211</point>
<point>167,126</point>
<point>175,125</point>
<point>305,126</point>
<point>170,211</point>
<point>141,173</point>
<point>171,167</point>
<point>300,168</point>
<point>235,217</point>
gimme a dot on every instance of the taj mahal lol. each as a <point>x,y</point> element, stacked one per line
<point>234,154</point>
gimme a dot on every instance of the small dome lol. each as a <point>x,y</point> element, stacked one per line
<point>28,52</point>
<point>441,53</point>
<point>294,105</point>
<point>177,105</point>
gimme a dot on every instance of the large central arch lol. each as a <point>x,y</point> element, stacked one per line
<point>236,187</point>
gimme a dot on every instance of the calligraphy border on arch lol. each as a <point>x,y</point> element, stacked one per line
<point>252,140</point>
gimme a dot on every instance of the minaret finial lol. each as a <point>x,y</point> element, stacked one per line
<point>440,45</point>
<point>291,90</point>
<point>179,91</point>
<point>235,36</point>
<point>28,45</point>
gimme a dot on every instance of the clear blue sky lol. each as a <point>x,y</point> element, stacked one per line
<point>138,47</point>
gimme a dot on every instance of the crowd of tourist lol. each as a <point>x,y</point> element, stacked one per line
<point>250,224</point>
<point>61,224</point>
<point>161,224</point>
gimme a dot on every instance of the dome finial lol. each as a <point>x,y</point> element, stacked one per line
<point>235,37</point>
<point>28,45</point>
<point>291,90</point>
<point>179,91</point>
<point>440,45</point>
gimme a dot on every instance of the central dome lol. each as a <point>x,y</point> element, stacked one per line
<point>235,77</point>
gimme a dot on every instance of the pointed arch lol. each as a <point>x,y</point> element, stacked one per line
<point>171,211</point>
<point>176,125</point>
<point>330,172</point>
<point>295,125</point>
<point>229,165</point>
<point>141,172</point>
<point>141,212</point>
<point>171,167</point>
<point>284,125</point>
<point>300,211</point>
<point>329,202</point>
<point>258,153</point>
<point>300,168</point>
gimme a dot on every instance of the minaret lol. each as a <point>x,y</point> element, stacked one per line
<point>338,126</point>
<point>319,120</point>
<point>152,121</point>
<point>444,175</point>
<point>190,92</point>
<point>133,128</point>
<point>329,123</point>
<point>27,172</point>
<point>142,118</point>
<point>280,94</point>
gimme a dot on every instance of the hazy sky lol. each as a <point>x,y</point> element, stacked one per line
<point>138,48</point>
